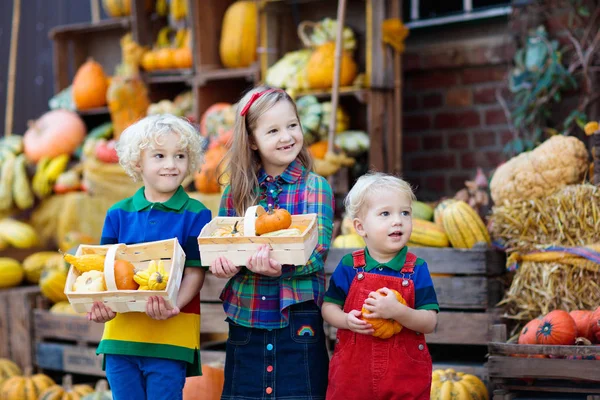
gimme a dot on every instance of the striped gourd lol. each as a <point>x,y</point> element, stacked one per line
<point>439,211</point>
<point>67,391</point>
<point>25,387</point>
<point>425,233</point>
<point>463,226</point>
<point>11,272</point>
<point>8,369</point>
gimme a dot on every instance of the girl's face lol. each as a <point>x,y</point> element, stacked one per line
<point>163,167</point>
<point>277,137</point>
<point>385,223</point>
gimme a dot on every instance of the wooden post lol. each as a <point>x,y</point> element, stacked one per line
<point>397,152</point>
<point>335,90</point>
<point>95,6</point>
<point>12,69</point>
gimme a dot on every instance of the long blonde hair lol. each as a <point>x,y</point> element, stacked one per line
<point>243,163</point>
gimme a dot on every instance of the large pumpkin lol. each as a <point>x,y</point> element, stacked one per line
<point>217,123</point>
<point>8,369</point>
<point>557,327</point>
<point>449,384</point>
<point>52,284</point>
<point>206,180</point>
<point>583,319</point>
<point>209,386</point>
<point>11,272</point>
<point>529,332</point>
<point>89,86</point>
<point>319,69</point>
<point>54,133</point>
<point>384,328</point>
<point>238,35</point>
<point>25,387</point>
<point>66,391</point>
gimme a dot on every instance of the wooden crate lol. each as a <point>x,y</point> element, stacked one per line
<point>169,251</point>
<point>285,249</point>
<point>512,376</point>
<point>16,307</point>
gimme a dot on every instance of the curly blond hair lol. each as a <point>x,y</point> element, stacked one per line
<point>371,184</point>
<point>147,133</point>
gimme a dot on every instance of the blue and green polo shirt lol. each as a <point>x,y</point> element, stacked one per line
<point>137,220</point>
<point>342,277</point>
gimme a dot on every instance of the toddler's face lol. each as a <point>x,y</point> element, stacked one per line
<point>278,137</point>
<point>385,222</point>
<point>164,166</point>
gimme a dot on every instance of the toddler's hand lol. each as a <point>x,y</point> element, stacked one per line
<point>357,325</point>
<point>100,313</point>
<point>262,263</point>
<point>156,308</point>
<point>222,267</point>
<point>382,305</point>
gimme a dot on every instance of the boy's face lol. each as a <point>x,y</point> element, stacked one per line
<point>385,223</point>
<point>163,167</point>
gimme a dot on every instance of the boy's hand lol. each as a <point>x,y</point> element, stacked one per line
<point>262,263</point>
<point>383,306</point>
<point>100,313</point>
<point>222,267</point>
<point>156,308</point>
<point>357,325</point>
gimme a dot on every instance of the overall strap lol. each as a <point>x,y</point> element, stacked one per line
<point>409,264</point>
<point>358,257</point>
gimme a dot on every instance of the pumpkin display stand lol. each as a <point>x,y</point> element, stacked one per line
<point>140,255</point>
<point>515,369</point>
<point>294,250</point>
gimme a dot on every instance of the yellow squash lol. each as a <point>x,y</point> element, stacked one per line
<point>25,387</point>
<point>52,284</point>
<point>8,369</point>
<point>449,385</point>
<point>463,226</point>
<point>348,241</point>
<point>426,233</point>
<point>438,213</point>
<point>34,264</point>
<point>18,234</point>
<point>319,69</point>
<point>11,272</point>
<point>86,262</point>
<point>238,35</point>
<point>66,391</point>
<point>153,278</point>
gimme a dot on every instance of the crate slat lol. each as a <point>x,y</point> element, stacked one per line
<point>519,367</point>
<point>47,325</point>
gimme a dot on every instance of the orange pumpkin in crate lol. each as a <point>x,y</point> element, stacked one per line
<point>583,319</point>
<point>529,332</point>
<point>272,220</point>
<point>557,327</point>
<point>124,271</point>
<point>595,325</point>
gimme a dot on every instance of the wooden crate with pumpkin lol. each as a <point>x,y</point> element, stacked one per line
<point>123,277</point>
<point>515,369</point>
<point>292,238</point>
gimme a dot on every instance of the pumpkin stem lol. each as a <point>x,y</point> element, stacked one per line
<point>235,230</point>
<point>270,208</point>
<point>67,382</point>
<point>101,386</point>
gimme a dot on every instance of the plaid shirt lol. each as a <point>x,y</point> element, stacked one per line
<point>259,301</point>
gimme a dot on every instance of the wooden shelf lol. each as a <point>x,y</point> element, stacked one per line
<point>91,27</point>
<point>361,94</point>
<point>251,73</point>
<point>94,111</point>
<point>169,76</point>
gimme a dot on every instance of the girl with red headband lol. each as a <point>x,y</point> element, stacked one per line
<point>276,346</point>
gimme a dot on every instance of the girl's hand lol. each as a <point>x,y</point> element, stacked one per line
<point>262,263</point>
<point>156,308</point>
<point>222,267</point>
<point>357,325</point>
<point>100,313</point>
<point>383,306</point>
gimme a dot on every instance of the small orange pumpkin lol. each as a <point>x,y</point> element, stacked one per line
<point>557,327</point>
<point>90,86</point>
<point>318,150</point>
<point>206,180</point>
<point>124,271</point>
<point>164,58</point>
<point>182,58</point>
<point>384,328</point>
<point>595,325</point>
<point>583,320</point>
<point>149,62</point>
<point>529,332</point>
<point>272,220</point>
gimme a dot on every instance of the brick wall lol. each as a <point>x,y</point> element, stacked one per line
<point>452,120</point>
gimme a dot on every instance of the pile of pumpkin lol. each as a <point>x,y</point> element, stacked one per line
<point>16,385</point>
<point>559,327</point>
<point>127,276</point>
<point>452,223</point>
<point>175,53</point>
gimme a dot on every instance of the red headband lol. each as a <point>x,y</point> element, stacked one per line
<point>255,97</point>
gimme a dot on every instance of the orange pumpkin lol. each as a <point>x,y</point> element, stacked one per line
<point>54,133</point>
<point>149,62</point>
<point>206,180</point>
<point>182,58</point>
<point>124,271</point>
<point>318,150</point>
<point>164,58</point>
<point>384,328</point>
<point>272,220</point>
<point>89,86</point>
<point>557,327</point>
<point>209,386</point>
<point>583,319</point>
<point>529,332</point>
<point>595,325</point>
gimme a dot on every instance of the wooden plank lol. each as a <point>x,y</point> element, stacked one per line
<point>445,260</point>
<point>207,21</point>
<point>4,325</point>
<point>496,348</point>
<point>517,367</point>
<point>90,27</point>
<point>65,327</point>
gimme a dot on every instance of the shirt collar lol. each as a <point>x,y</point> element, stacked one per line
<point>291,174</point>
<point>176,202</point>
<point>395,263</point>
